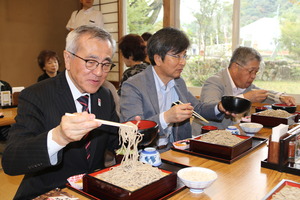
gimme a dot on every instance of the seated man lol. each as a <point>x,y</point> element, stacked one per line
<point>150,94</point>
<point>237,80</point>
<point>45,144</point>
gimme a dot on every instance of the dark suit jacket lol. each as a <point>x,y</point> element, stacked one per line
<point>40,109</point>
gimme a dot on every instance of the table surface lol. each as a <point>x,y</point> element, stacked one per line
<point>243,179</point>
<point>9,116</point>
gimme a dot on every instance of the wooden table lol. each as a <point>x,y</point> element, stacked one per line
<point>243,179</point>
<point>9,116</point>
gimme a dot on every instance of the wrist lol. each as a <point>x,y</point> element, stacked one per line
<point>58,137</point>
<point>218,107</point>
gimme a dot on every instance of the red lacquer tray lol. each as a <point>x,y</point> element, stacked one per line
<point>280,186</point>
<point>166,166</point>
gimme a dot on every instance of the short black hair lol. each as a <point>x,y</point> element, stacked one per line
<point>165,40</point>
<point>44,56</point>
<point>146,36</point>
<point>133,45</point>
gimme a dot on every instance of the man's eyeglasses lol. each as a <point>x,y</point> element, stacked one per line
<point>254,72</point>
<point>185,57</point>
<point>93,64</point>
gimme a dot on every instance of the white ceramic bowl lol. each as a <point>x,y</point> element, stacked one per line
<point>197,178</point>
<point>251,128</point>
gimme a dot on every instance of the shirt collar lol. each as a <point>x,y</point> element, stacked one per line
<point>75,92</point>
<point>236,91</point>
<point>88,10</point>
<point>160,86</point>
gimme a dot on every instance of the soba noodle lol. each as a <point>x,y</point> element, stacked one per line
<point>221,137</point>
<point>131,174</point>
<point>275,113</point>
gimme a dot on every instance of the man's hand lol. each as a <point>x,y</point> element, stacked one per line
<point>178,113</point>
<point>222,109</point>
<point>256,96</point>
<point>288,100</point>
<point>73,128</point>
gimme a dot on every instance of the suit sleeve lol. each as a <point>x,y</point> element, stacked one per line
<point>26,150</point>
<point>136,102</point>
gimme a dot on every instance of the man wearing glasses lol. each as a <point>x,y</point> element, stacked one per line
<point>150,94</point>
<point>237,80</point>
<point>45,144</point>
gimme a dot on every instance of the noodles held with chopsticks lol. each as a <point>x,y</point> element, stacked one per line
<point>131,174</point>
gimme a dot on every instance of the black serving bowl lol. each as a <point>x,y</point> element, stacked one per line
<point>235,104</point>
<point>149,129</point>
<point>282,106</point>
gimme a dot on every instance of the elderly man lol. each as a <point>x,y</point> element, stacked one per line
<point>45,144</point>
<point>150,94</point>
<point>237,80</point>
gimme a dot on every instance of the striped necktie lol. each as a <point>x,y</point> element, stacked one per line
<point>84,101</point>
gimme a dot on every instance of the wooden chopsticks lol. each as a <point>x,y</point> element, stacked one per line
<point>195,114</point>
<point>110,123</point>
<point>294,130</point>
<point>270,95</point>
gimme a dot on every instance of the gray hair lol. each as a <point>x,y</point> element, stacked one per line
<point>242,55</point>
<point>94,32</point>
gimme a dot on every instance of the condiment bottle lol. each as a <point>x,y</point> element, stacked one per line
<point>291,152</point>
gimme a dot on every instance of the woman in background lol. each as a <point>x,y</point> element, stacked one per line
<point>49,63</point>
<point>146,36</point>
<point>133,50</point>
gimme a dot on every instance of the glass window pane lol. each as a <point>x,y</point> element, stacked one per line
<point>273,28</point>
<point>208,24</point>
<point>144,16</point>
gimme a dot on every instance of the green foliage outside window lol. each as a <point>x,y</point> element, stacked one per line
<point>143,16</point>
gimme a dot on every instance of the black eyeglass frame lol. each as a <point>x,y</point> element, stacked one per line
<point>112,65</point>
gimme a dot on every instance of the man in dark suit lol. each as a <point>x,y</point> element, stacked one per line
<point>150,93</point>
<point>45,144</point>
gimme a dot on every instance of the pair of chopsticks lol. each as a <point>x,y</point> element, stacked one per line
<point>294,130</point>
<point>195,114</point>
<point>270,95</point>
<point>110,123</point>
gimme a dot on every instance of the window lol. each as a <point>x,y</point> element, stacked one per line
<point>271,27</point>
<point>208,24</point>
<point>144,16</point>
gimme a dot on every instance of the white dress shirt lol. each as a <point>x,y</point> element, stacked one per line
<point>53,147</point>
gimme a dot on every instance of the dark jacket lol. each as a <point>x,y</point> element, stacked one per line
<point>40,109</point>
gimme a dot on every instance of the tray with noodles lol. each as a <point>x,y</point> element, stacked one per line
<point>158,190</point>
<point>218,144</point>
<point>285,189</point>
<point>273,121</point>
<point>255,143</point>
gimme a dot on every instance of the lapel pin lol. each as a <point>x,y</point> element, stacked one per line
<point>99,102</point>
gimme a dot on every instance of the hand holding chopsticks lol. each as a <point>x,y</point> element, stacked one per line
<point>195,114</point>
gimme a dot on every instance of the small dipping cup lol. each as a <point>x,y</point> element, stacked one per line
<point>259,109</point>
<point>206,129</point>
